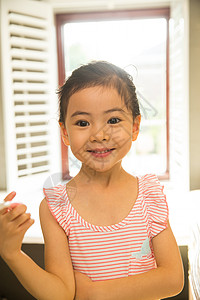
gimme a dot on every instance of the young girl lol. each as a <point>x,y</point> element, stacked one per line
<point>110,239</point>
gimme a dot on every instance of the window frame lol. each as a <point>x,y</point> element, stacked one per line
<point>62,19</point>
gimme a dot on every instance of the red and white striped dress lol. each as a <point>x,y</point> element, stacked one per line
<point>115,251</point>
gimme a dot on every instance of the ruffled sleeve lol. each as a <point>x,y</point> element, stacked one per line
<point>58,205</point>
<point>156,204</point>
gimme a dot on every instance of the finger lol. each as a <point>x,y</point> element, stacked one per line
<point>21,219</point>
<point>4,205</point>
<point>16,212</point>
<point>10,196</point>
<point>13,205</point>
<point>26,225</point>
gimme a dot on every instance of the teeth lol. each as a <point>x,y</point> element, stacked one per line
<point>101,151</point>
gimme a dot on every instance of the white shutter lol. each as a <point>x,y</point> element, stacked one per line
<point>29,98</point>
<point>179,111</point>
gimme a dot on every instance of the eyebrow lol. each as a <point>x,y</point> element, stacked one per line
<point>76,113</point>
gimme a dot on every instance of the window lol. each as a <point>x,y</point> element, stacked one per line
<point>138,42</point>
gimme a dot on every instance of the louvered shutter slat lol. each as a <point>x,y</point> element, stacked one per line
<point>27,20</point>
<point>32,87</point>
<point>18,30</point>
<point>32,150</point>
<point>29,54</point>
<point>31,76</point>
<point>31,129</point>
<point>32,139</point>
<point>29,65</point>
<point>34,170</point>
<point>30,97</point>
<point>31,108</point>
<point>31,119</point>
<point>28,43</point>
<point>32,160</point>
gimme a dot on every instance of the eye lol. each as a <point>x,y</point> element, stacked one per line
<point>114,120</point>
<point>82,123</point>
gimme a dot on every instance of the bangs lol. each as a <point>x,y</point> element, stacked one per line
<point>100,74</point>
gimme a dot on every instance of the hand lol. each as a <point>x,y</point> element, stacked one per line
<point>83,285</point>
<point>14,222</point>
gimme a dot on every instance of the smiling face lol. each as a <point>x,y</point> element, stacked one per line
<point>99,127</point>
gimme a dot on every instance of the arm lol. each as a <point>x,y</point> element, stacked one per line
<point>164,281</point>
<point>57,281</point>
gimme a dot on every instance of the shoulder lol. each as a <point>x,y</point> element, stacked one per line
<point>45,213</point>
<point>56,200</point>
<point>50,226</point>
<point>44,209</point>
<point>154,202</point>
<point>48,223</point>
<point>150,183</point>
<point>152,190</point>
<point>56,203</point>
<point>54,192</point>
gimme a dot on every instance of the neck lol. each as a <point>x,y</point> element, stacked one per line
<point>101,179</point>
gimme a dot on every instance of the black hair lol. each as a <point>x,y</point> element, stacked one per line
<point>99,73</point>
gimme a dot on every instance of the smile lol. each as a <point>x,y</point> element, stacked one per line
<point>101,152</point>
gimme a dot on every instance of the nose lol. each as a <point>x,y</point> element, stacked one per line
<point>100,135</point>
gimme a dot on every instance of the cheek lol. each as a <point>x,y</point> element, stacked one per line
<point>122,136</point>
<point>78,141</point>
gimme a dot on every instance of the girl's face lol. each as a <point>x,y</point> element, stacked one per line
<point>99,128</point>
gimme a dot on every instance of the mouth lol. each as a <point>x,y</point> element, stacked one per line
<point>103,150</point>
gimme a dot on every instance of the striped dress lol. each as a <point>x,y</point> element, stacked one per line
<point>115,251</point>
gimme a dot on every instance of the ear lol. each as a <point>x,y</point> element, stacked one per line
<point>136,127</point>
<point>64,134</point>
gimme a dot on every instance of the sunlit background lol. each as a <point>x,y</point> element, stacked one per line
<point>139,47</point>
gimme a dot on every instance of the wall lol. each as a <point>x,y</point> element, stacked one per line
<point>2,141</point>
<point>63,6</point>
<point>194,93</point>
<point>179,95</point>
